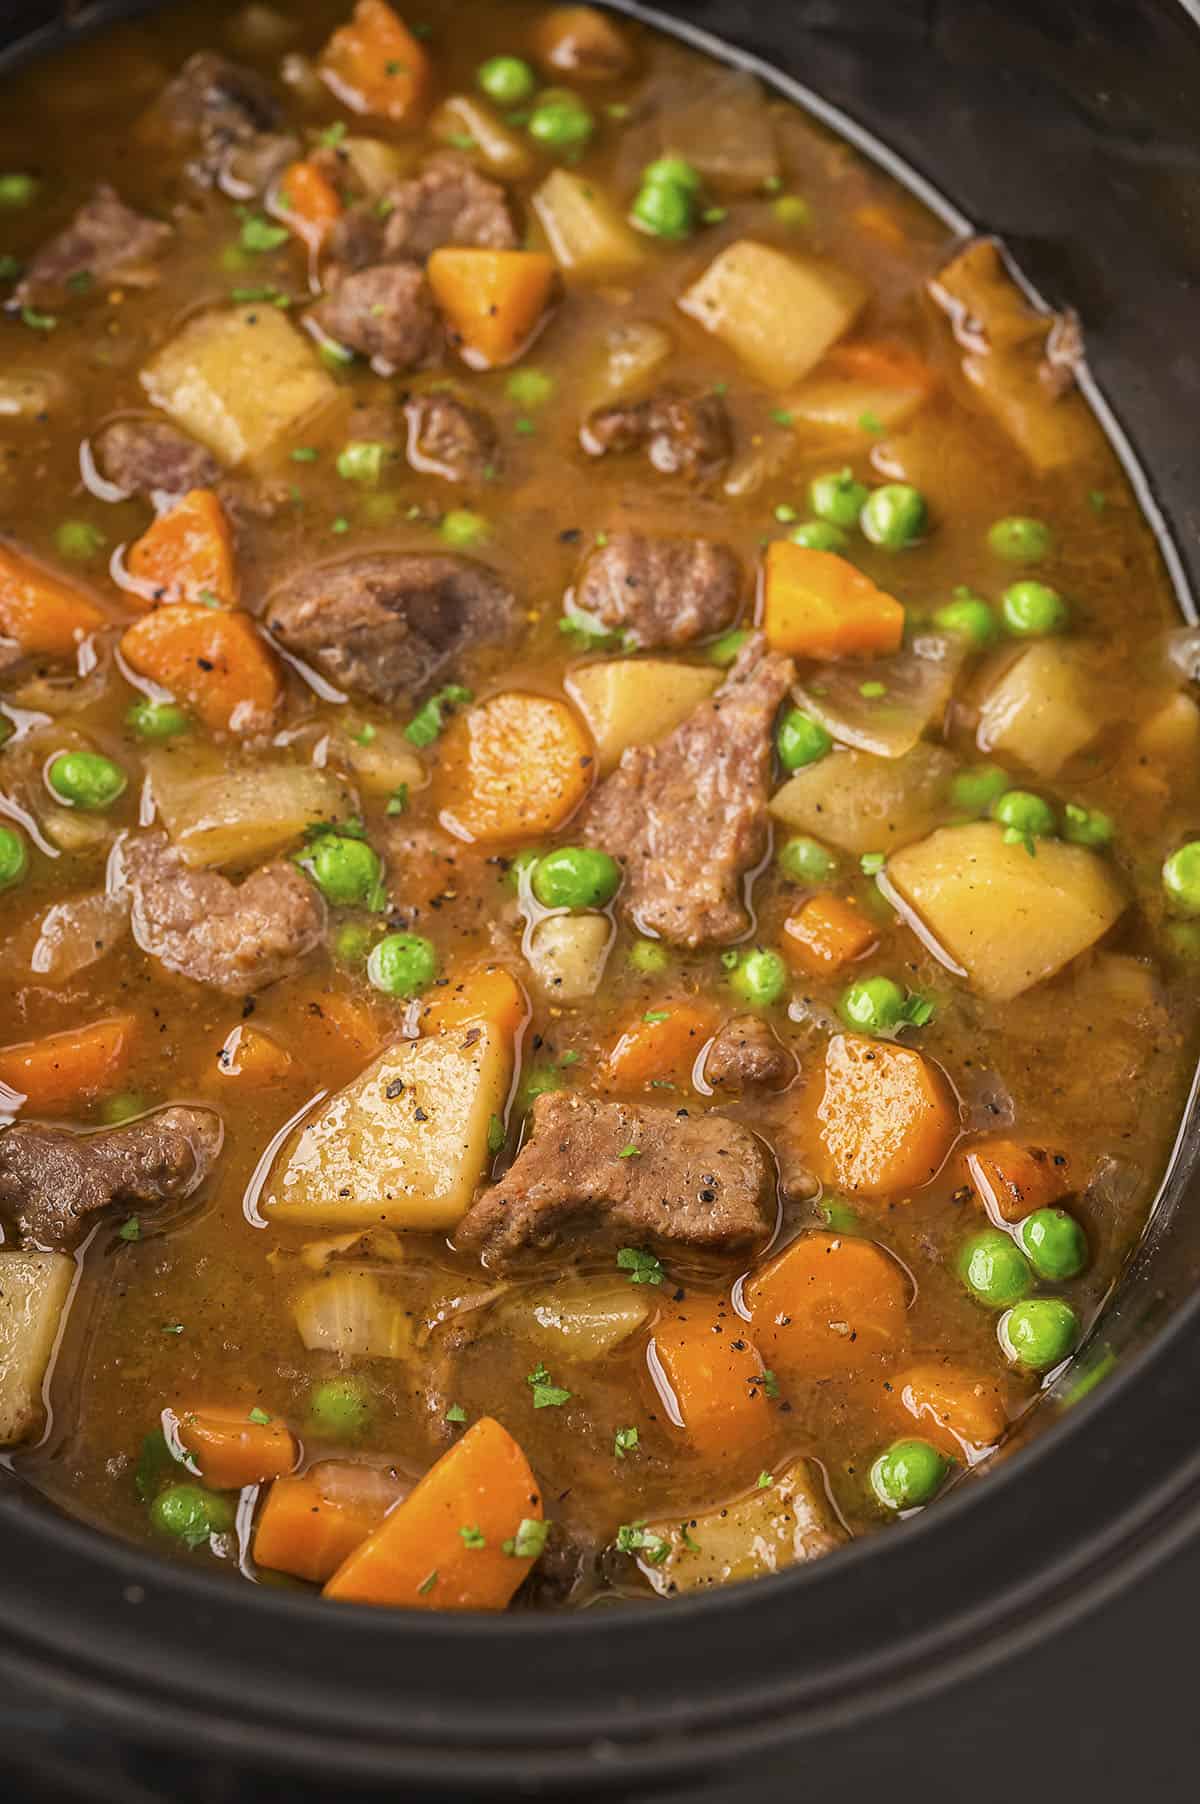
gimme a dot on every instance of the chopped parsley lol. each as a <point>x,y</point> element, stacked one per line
<point>654,1015</point>
<point>546,1394</point>
<point>333,134</point>
<point>643,1267</point>
<point>871,863</point>
<point>765,1479</point>
<point>274,297</point>
<point>624,1441</point>
<point>918,1011</point>
<point>38,322</point>
<point>341,524</point>
<point>304,454</point>
<point>781,417</point>
<point>397,802</point>
<point>872,691</point>
<point>768,1381</point>
<point>630,1152</point>
<point>259,1417</point>
<point>529,1540</point>
<point>258,234</point>
<point>456,1413</point>
<point>635,1537</point>
<point>870,422</point>
<point>130,1230</point>
<point>472,1536</point>
<point>425,725</point>
<point>495,1137</point>
<point>427,1583</point>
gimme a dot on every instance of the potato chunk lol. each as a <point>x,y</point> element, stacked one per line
<point>635,701</point>
<point>568,953</point>
<point>241,381</point>
<point>33,1295</point>
<point>866,804</point>
<point>217,815</point>
<point>778,313</point>
<point>778,1524</point>
<point>404,1144</point>
<point>587,235</point>
<point>1038,711</point>
<point>1007,919</point>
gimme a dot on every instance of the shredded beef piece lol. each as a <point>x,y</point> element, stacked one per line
<point>747,1054</point>
<point>390,624</point>
<point>236,937</point>
<point>447,438</point>
<point>449,202</point>
<point>699,1182</point>
<point>55,1181</point>
<point>681,436</point>
<point>688,816</point>
<point>105,241</point>
<point>386,312</point>
<point>663,592</point>
<point>216,105</point>
<point>148,457</point>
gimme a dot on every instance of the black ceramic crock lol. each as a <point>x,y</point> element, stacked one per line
<point>1073,130</point>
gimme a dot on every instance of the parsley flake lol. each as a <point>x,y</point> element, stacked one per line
<point>624,1441</point>
<point>472,1536</point>
<point>259,1417</point>
<point>529,1540</point>
<point>635,1537</point>
<point>765,1480</point>
<point>872,691</point>
<point>546,1394</point>
<point>38,322</point>
<point>397,802</point>
<point>768,1381</point>
<point>871,863</point>
<point>655,1015</point>
<point>643,1267</point>
<point>456,1413</point>
<point>495,1135</point>
<point>427,1583</point>
<point>258,234</point>
<point>630,1152</point>
<point>130,1230</point>
<point>425,725</point>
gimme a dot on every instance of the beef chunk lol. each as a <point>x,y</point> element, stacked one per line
<point>449,202</point>
<point>386,312</point>
<point>567,1572</point>
<point>354,241</point>
<point>662,592</point>
<point>390,624</point>
<point>105,241</point>
<point>681,436</point>
<point>748,1055</point>
<point>447,438</point>
<point>236,937</point>
<point>148,457</point>
<point>688,816</point>
<point>698,1182</point>
<point>216,105</point>
<point>56,1181</point>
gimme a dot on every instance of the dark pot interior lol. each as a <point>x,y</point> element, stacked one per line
<point>1073,132</point>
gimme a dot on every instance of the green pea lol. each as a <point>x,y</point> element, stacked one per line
<point>576,877</point>
<point>123,1107</point>
<point>17,190</point>
<point>14,857</point>
<point>78,539</point>
<point>723,651</point>
<point>806,860</point>
<point>969,616</point>
<point>672,172</point>
<point>894,516</point>
<point>649,957</point>
<point>819,535</point>
<point>461,527</point>
<point>1087,826</point>
<point>352,943</point>
<point>760,978</point>
<point>1055,1244</point>
<point>976,788</point>
<point>402,964</point>
<point>86,780</point>
<point>908,1474</point>
<point>508,80</point>
<point>1032,609</point>
<point>801,740</point>
<point>340,1408</point>
<point>1039,1333</point>
<point>874,1005</point>
<point>663,210</point>
<point>191,1513</point>
<point>561,121</point>
<point>156,720</point>
<point>529,388</point>
<point>838,497</point>
<point>994,1269</point>
<point>1020,540</point>
<point>791,210</point>
<point>1181,878</point>
<point>347,871</point>
<point>361,461</point>
<point>1023,815</point>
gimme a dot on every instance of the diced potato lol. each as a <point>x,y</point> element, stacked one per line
<point>777,1525</point>
<point>350,1314</point>
<point>725,132</point>
<point>241,380</point>
<point>1051,432</point>
<point>34,1288</point>
<point>985,306</point>
<point>496,145</point>
<point>375,164</point>
<point>578,1318</point>
<point>405,1144</point>
<point>634,350</point>
<point>1038,711</point>
<point>585,232</point>
<point>216,815</point>
<point>635,701</point>
<point>1167,744</point>
<point>841,405</point>
<point>865,804</point>
<point>386,762</point>
<point>778,313</point>
<point>568,953</point>
<point>1007,919</point>
<point>917,686</point>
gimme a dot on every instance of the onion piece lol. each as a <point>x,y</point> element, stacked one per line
<point>579,1318</point>
<point>79,932</point>
<point>353,1316</point>
<point>916,685</point>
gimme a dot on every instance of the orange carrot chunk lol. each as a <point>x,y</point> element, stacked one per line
<point>187,555</point>
<point>374,64</point>
<point>420,1556</point>
<point>308,203</point>
<point>41,614</point>
<point>211,660</point>
<point>57,1074</point>
<point>1012,1180</point>
<point>309,1525</point>
<point>886,1117</point>
<point>231,1449</point>
<point>961,1412</point>
<point>829,1304</point>
<point>493,301</point>
<point>517,766</point>
<point>711,1378</point>
<point>661,1046</point>
<point>488,993</point>
<point>254,1056</point>
<point>817,605</point>
<point>826,934</point>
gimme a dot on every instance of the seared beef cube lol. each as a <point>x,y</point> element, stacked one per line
<point>661,592</point>
<point>447,438</point>
<point>106,241</point>
<point>148,457</point>
<point>681,436</point>
<point>747,1054</point>
<point>449,202</point>
<point>386,312</point>
<point>215,105</point>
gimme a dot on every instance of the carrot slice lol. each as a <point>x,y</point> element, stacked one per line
<point>489,993</point>
<point>817,605</point>
<point>309,1525</point>
<point>493,301</point>
<point>308,202</point>
<point>662,1045</point>
<point>374,64</point>
<point>187,555</point>
<point>42,614</point>
<point>56,1074</point>
<point>712,1379</point>
<point>828,1305</point>
<point>420,1557</point>
<point>212,660</point>
<point>890,365</point>
<point>827,933</point>
<point>231,1450</point>
<point>886,1116</point>
<point>515,767</point>
<point>254,1056</point>
<point>1013,1180</point>
<point>960,1411</point>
